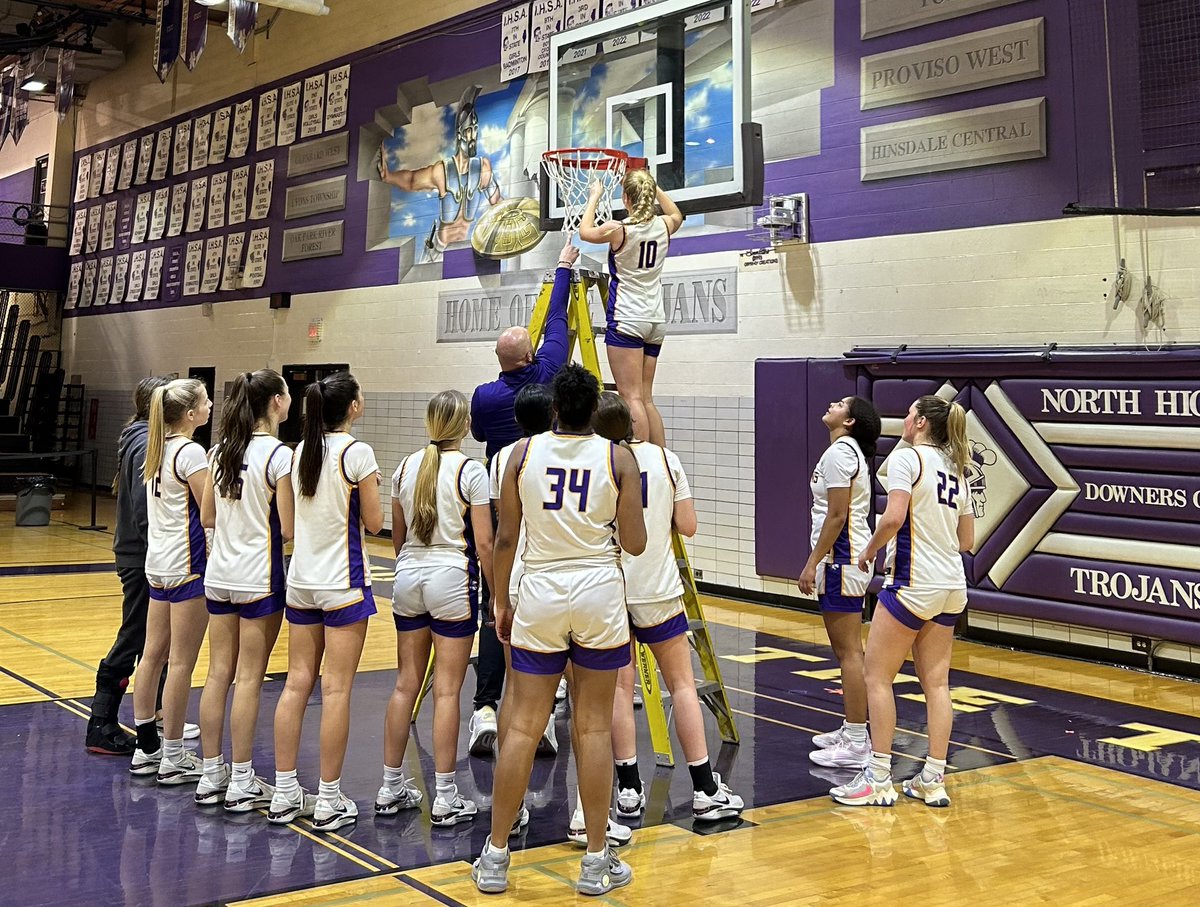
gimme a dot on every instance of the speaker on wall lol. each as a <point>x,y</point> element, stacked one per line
<point>281,300</point>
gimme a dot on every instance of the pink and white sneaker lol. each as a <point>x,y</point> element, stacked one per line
<point>865,790</point>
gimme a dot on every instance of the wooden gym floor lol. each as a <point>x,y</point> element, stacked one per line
<point>1073,783</point>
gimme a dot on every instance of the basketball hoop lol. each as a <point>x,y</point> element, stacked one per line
<point>575,169</point>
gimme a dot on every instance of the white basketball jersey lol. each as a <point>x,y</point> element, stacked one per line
<point>569,500</point>
<point>924,554</point>
<point>842,466</point>
<point>653,575</point>
<point>247,551</point>
<point>175,540</point>
<point>331,543</point>
<point>635,290</point>
<point>496,482</point>
<point>461,483</point>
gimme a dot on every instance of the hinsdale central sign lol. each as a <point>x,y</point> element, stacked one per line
<point>694,302</point>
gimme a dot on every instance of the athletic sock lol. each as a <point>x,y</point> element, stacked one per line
<point>881,766</point>
<point>702,777</point>
<point>147,735</point>
<point>493,849</point>
<point>287,783</point>
<point>446,789</point>
<point>243,772</point>
<point>393,778</point>
<point>627,775</point>
<point>855,733</point>
<point>173,749</point>
<point>329,791</point>
<point>934,768</point>
<point>212,767</point>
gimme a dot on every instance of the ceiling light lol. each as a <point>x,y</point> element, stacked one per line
<point>34,83</point>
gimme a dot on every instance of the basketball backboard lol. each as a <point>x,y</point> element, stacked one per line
<point>668,82</point>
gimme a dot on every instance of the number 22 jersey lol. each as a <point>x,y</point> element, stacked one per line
<point>924,554</point>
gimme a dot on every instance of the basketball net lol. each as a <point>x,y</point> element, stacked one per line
<point>574,170</point>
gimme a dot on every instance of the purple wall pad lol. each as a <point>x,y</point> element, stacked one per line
<point>1152,402</point>
<point>1131,458</point>
<point>1181,631</point>
<point>33,268</point>
<point>1003,535</point>
<point>1162,497</point>
<point>1077,167</point>
<point>1020,458</point>
<point>893,396</point>
<point>1165,531</point>
<point>1011,362</point>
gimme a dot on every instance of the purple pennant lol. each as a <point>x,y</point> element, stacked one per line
<point>166,36</point>
<point>195,34</point>
<point>65,83</point>
<point>243,18</point>
<point>20,102</point>
<point>7,86</point>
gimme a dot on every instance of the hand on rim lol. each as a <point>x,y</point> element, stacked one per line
<point>595,190</point>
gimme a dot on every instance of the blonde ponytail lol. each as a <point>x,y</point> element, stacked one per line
<point>447,418</point>
<point>641,191</point>
<point>957,446</point>
<point>156,439</point>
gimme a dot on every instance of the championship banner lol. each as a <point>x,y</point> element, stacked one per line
<point>547,17</point>
<point>195,34</point>
<point>167,34</point>
<point>243,18</point>
<point>514,43</point>
<point>20,115</point>
<point>65,83</point>
<point>7,87</point>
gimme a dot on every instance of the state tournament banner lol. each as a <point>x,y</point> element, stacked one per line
<point>195,34</point>
<point>547,17</point>
<point>580,12</point>
<point>64,90</point>
<point>337,97</point>
<point>167,34</point>
<point>514,43</point>
<point>243,18</point>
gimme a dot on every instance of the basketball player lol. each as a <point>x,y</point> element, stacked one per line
<point>636,319</point>
<point>841,491</point>
<point>176,550</point>
<point>336,483</point>
<point>442,535</point>
<point>927,524</point>
<point>573,489</point>
<point>654,594</point>
<point>248,503</point>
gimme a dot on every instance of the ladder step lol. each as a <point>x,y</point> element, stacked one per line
<point>707,688</point>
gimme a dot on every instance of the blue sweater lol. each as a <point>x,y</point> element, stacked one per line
<point>492,420</point>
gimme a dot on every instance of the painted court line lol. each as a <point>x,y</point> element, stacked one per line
<point>429,891</point>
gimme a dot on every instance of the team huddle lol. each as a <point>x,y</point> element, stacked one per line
<point>561,546</point>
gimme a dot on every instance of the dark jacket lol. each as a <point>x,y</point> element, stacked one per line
<point>129,539</point>
<point>492,420</point>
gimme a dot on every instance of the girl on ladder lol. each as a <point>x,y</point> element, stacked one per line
<point>636,320</point>
<point>248,504</point>
<point>336,484</point>
<point>176,551</point>
<point>927,525</point>
<point>442,535</point>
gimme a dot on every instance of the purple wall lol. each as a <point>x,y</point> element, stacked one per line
<point>1125,494</point>
<point>17,187</point>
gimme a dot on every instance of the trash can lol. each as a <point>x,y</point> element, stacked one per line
<point>34,502</point>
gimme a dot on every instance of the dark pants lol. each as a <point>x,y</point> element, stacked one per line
<point>489,665</point>
<point>118,665</point>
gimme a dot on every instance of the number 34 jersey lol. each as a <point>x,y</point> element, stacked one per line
<point>924,554</point>
<point>568,492</point>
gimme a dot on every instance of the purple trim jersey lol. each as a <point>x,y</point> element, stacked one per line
<point>924,554</point>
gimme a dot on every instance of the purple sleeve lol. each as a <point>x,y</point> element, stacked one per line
<point>552,354</point>
<point>477,426</point>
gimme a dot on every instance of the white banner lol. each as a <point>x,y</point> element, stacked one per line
<point>337,97</point>
<point>128,153</point>
<point>312,122</point>
<point>93,228</point>
<point>183,145</point>
<point>108,232</point>
<point>120,277</point>
<point>199,197</point>
<point>264,175</point>
<point>239,141</point>
<point>214,255</point>
<point>96,177</point>
<point>256,258</point>
<point>112,166</point>
<point>192,263</point>
<point>201,134</point>
<point>231,272</point>
<point>83,178</point>
<point>289,112</point>
<point>158,213</point>
<point>238,187</point>
<point>216,200</point>
<point>73,282</point>
<point>89,284</point>
<point>178,209</point>
<point>580,12</point>
<point>141,218</point>
<point>546,18</point>
<point>78,226</point>
<point>267,102</point>
<point>162,154</point>
<point>514,43</point>
<point>104,284</point>
<point>137,276</point>
<point>220,136</point>
<point>154,265</point>
<point>144,160</point>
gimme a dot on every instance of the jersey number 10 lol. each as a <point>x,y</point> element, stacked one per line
<point>560,484</point>
<point>648,253</point>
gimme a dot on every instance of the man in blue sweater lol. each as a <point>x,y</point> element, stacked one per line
<point>493,423</point>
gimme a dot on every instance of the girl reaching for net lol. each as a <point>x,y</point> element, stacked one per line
<point>636,320</point>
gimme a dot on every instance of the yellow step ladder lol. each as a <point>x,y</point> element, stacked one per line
<point>710,688</point>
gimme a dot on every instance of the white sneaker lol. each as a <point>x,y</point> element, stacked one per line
<point>190,731</point>
<point>832,738</point>
<point>145,763</point>
<point>520,821</point>
<point>617,834</point>
<point>843,754</point>
<point>932,792</point>
<point>445,812</point>
<point>330,815</point>
<point>390,801</point>
<point>866,790</point>
<point>285,809</point>
<point>187,769</point>
<point>561,693</point>
<point>211,792</point>
<point>483,732</point>
<point>630,802</point>
<point>548,745</point>
<point>601,873</point>
<point>246,796</point>
<point>724,804</point>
